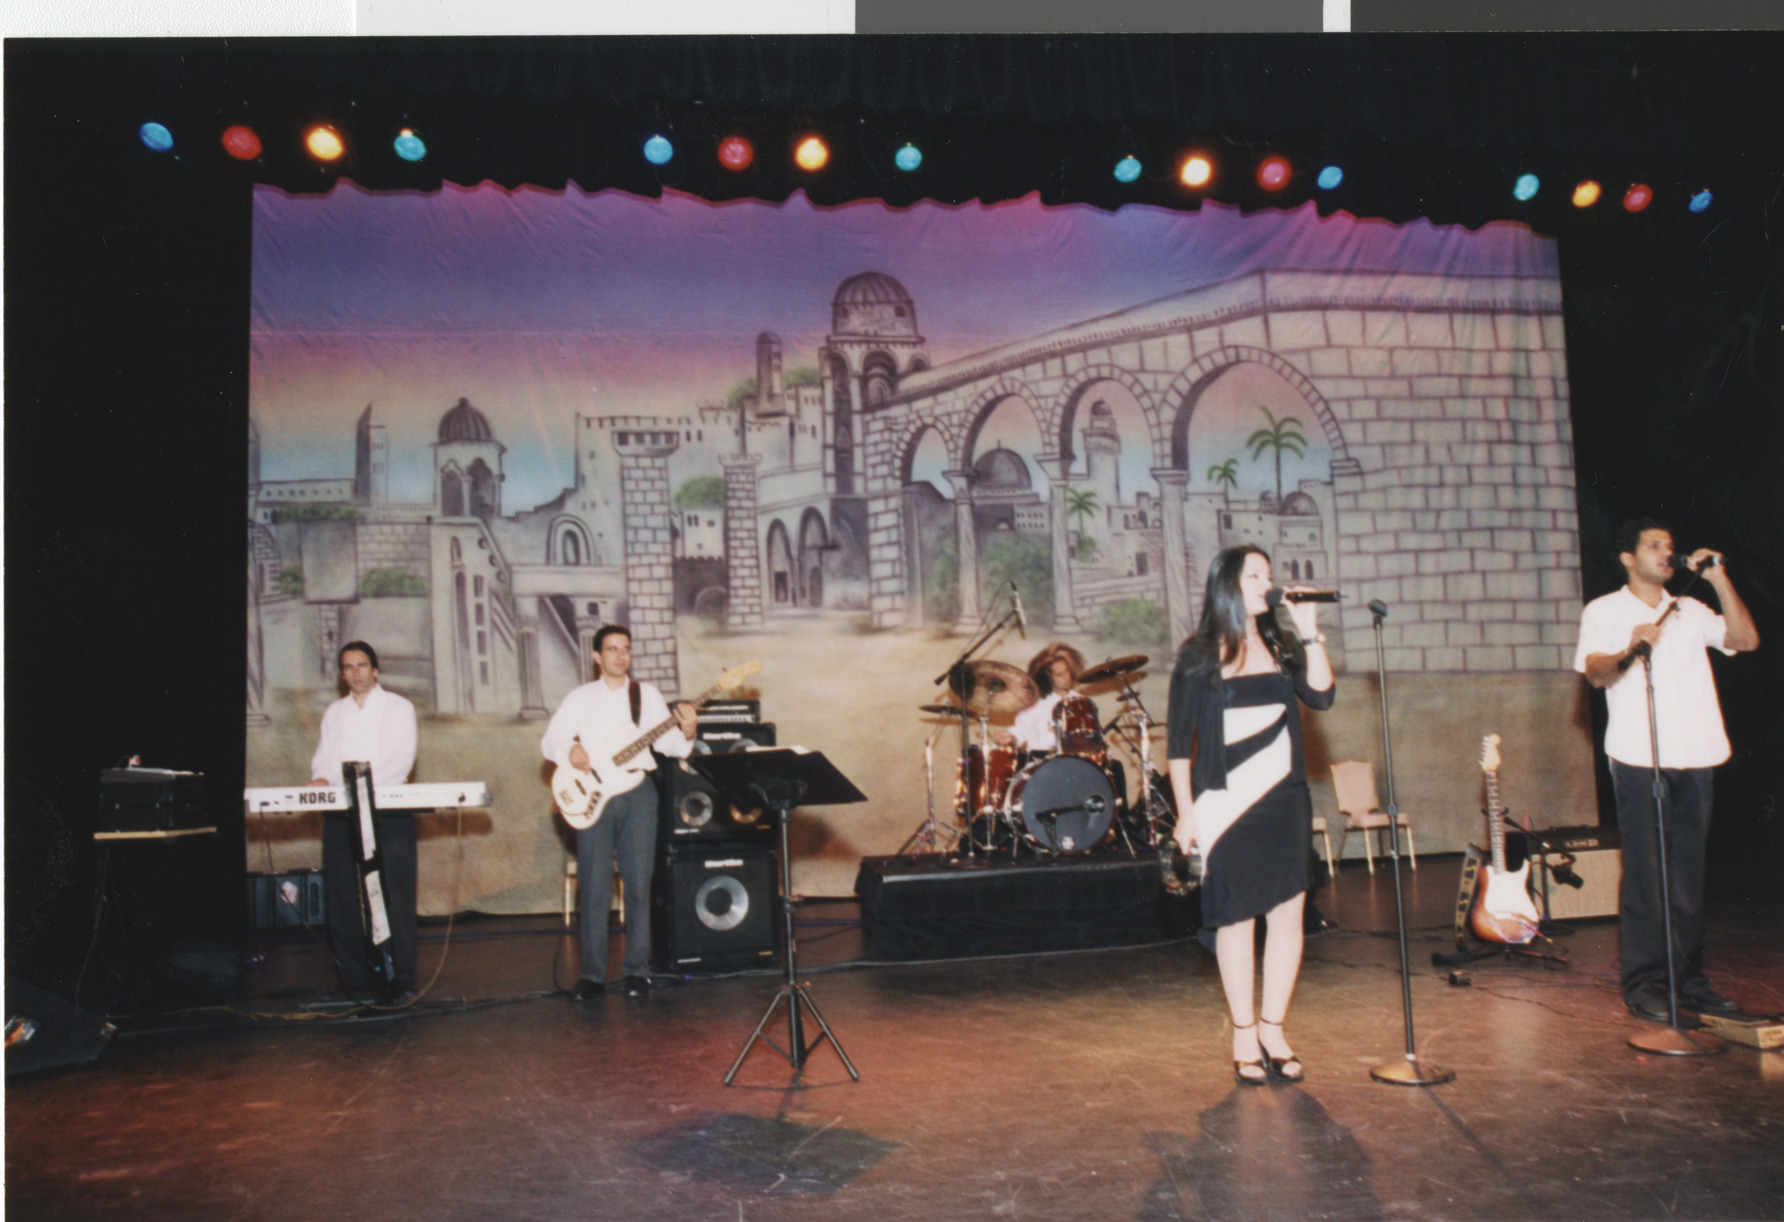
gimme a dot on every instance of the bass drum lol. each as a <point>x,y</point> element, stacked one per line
<point>1064,804</point>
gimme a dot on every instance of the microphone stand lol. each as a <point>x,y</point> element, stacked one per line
<point>1410,1071</point>
<point>985,634</point>
<point>1671,1041</point>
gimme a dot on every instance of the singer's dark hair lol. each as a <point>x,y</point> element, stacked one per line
<point>1222,630</point>
<point>371,655</point>
<point>1629,535</point>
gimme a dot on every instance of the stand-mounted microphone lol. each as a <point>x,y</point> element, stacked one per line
<point>1021,615</point>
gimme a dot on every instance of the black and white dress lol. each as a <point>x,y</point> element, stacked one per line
<point>1253,815</point>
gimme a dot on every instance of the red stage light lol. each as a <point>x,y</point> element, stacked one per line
<point>735,153</point>
<point>1638,197</point>
<point>241,143</point>
<point>1273,174</point>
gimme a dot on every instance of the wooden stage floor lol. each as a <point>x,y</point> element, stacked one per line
<point>1092,1084</point>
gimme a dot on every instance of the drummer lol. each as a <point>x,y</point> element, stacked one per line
<point>1055,672</point>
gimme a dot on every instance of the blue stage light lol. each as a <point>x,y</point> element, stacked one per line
<point>908,158</point>
<point>409,146</point>
<point>1330,177</point>
<point>1526,187</point>
<point>1701,201</point>
<point>1127,169</point>
<point>157,137</point>
<point>658,150</point>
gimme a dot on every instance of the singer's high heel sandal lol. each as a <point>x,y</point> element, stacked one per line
<point>1282,1069</point>
<point>1259,1074</point>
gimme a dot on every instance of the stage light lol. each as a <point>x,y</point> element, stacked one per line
<point>1701,201</point>
<point>658,150</point>
<point>1273,174</point>
<point>812,154</point>
<point>324,143</point>
<point>1196,172</point>
<point>1330,177</point>
<point>409,146</point>
<point>1637,197</point>
<point>1127,169</point>
<point>1526,187</point>
<point>908,158</point>
<point>156,137</point>
<point>736,153</point>
<point>1586,194</point>
<point>241,143</point>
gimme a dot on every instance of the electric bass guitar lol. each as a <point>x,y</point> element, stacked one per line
<point>1503,910</point>
<point>614,767</point>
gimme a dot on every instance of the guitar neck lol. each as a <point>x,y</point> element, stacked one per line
<point>643,741</point>
<point>1495,821</point>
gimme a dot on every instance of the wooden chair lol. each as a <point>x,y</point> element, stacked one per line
<point>1355,782</point>
<point>1319,829</point>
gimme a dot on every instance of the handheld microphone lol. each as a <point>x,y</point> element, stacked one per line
<point>1277,597</point>
<point>1021,615</point>
<point>1678,559</point>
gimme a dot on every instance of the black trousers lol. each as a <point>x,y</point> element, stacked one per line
<point>1688,793</point>
<point>340,883</point>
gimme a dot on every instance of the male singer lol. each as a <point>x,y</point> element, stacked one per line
<point>1643,625</point>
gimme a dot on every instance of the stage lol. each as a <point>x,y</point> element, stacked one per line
<point>1069,1085</point>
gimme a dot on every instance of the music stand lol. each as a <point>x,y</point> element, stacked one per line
<point>780,780</point>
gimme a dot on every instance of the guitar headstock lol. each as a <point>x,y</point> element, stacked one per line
<point>1489,753</point>
<point>736,675</point>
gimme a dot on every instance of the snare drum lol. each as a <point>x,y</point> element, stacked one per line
<point>1064,804</point>
<point>989,769</point>
<point>1079,732</point>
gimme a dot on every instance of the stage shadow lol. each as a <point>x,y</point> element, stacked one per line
<point>1263,1153</point>
<point>765,1155</point>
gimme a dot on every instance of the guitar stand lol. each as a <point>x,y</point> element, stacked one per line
<point>780,780</point>
<point>1504,953</point>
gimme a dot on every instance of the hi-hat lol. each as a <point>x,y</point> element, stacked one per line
<point>1114,668</point>
<point>992,688</point>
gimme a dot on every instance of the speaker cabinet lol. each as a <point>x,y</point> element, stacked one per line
<point>714,910</point>
<point>291,898</point>
<point>736,736</point>
<point>1590,856</point>
<point>45,1032</point>
<point>694,816</point>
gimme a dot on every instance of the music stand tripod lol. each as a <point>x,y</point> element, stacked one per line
<point>782,779</point>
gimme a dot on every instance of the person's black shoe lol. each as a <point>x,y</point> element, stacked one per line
<point>586,988</point>
<point>1651,1005</point>
<point>1314,922</point>
<point>404,994</point>
<point>637,986</point>
<point>342,995</point>
<point>1706,1000</point>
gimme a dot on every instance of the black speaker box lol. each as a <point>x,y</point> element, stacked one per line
<point>294,897</point>
<point>694,815</point>
<point>45,1032</point>
<point>714,911</point>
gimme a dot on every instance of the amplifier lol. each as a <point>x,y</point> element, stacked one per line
<point>1582,867</point>
<point>150,800</point>
<point>737,736</point>
<point>730,712</point>
<point>288,899</point>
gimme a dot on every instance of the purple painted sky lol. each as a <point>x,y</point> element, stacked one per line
<point>536,304</point>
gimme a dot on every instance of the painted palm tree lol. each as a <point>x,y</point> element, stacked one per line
<point>1081,503</point>
<point>1283,434</point>
<point>1225,475</point>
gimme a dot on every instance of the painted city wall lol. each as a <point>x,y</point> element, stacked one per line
<point>485,423</point>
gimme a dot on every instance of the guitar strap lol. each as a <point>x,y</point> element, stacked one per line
<point>636,694</point>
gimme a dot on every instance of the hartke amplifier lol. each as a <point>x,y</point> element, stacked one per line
<point>693,815</point>
<point>1592,857</point>
<point>737,736</point>
<point>714,911</point>
<point>730,712</point>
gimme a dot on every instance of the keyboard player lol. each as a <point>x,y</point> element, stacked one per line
<point>368,723</point>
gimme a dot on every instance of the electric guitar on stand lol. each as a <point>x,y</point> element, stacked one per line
<point>1503,910</point>
<point>614,768</point>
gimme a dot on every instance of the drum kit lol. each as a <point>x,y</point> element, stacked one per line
<point>1067,801</point>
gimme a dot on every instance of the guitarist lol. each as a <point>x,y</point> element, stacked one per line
<point>1617,631</point>
<point>597,713</point>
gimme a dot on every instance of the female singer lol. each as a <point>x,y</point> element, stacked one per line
<point>1245,802</point>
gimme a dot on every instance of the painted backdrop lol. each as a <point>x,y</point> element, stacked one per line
<point>485,422</point>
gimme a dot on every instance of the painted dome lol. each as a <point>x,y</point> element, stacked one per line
<point>873,305</point>
<point>1001,470</point>
<point>465,423</point>
<point>1299,503</point>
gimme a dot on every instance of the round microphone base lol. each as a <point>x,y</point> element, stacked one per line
<point>1410,1071</point>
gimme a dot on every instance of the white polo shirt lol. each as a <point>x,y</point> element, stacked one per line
<point>1686,710</point>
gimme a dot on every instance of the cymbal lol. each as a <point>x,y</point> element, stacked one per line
<point>1112,669</point>
<point>992,687</point>
<point>945,710</point>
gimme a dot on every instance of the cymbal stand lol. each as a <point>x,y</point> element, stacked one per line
<point>1157,813</point>
<point>986,632</point>
<point>927,832</point>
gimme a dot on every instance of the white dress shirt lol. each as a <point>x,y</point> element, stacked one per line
<point>1033,727</point>
<point>381,732</point>
<point>1686,711</point>
<point>598,714</point>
